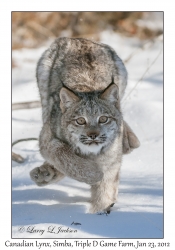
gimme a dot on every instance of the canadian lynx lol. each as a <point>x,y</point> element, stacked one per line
<point>81,84</point>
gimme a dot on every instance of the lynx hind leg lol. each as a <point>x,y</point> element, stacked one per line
<point>130,140</point>
<point>45,174</point>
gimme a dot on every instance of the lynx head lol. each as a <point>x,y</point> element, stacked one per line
<point>90,121</point>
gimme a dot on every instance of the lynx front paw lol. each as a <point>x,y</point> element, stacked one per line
<point>106,211</point>
<point>97,208</point>
<point>45,174</point>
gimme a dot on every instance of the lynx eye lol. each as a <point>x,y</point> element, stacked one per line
<point>81,121</point>
<point>103,119</point>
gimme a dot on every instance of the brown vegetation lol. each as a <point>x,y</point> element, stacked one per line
<point>30,29</point>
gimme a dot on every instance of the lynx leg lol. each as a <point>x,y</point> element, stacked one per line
<point>130,140</point>
<point>45,174</point>
<point>104,194</point>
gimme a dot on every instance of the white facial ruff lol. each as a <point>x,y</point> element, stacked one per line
<point>89,149</point>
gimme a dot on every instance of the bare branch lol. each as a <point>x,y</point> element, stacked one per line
<point>142,76</point>
<point>26,105</point>
<point>17,158</point>
<point>23,105</point>
<point>146,45</point>
<point>26,139</point>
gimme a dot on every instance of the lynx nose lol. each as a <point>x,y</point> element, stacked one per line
<point>93,135</point>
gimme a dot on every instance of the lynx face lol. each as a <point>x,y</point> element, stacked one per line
<point>90,121</point>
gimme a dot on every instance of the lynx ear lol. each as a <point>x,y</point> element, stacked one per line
<point>111,94</point>
<point>67,98</point>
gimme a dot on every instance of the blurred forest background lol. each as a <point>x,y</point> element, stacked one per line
<point>32,29</point>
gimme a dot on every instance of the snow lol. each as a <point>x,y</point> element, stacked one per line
<point>139,210</point>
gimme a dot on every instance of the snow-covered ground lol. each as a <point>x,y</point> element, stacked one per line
<point>139,210</point>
